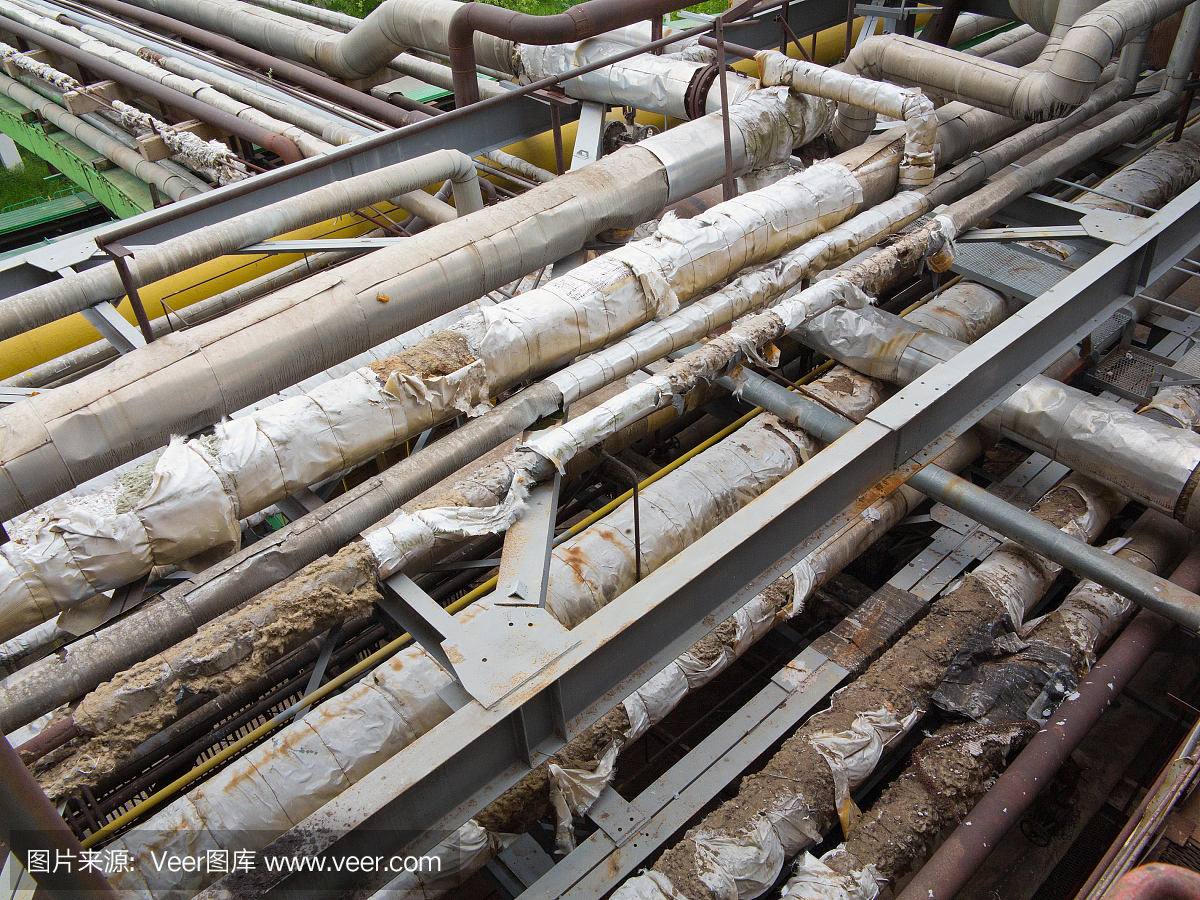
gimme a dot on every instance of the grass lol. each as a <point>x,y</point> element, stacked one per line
<point>362,8</point>
<point>17,187</point>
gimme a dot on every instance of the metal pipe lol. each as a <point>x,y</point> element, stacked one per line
<point>319,84</point>
<point>174,186</point>
<point>1156,881</point>
<point>58,299</point>
<point>30,824</point>
<point>283,147</point>
<point>577,23</point>
<point>972,842</point>
<point>1147,590</point>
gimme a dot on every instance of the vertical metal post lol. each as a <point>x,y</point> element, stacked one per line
<point>849,28</point>
<point>33,829</point>
<point>784,28</point>
<point>1185,109</point>
<point>728,187</point>
<point>656,33</point>
<point>556,123</point>
<point>119,253</point>
<point>637,513</point>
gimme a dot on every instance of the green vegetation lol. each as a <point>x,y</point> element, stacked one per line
<point>361,8</point>
<point>18,187</point>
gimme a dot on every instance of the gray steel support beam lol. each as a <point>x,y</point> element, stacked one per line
<point>468,760</point>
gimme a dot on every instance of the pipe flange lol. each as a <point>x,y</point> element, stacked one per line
<point>696,96</point>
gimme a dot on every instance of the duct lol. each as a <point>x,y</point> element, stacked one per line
<point>205,93</point>
<point>1147,460</point>
<point>1033,95</point>
<point>201,489</point>
<point>44,304</point>
<point>738,850</point>
<point>653,83</point>
<point>131,161</point>
<point>854,92</point>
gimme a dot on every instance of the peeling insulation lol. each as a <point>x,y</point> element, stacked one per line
<point>738,850</point>
<point>201,489</point>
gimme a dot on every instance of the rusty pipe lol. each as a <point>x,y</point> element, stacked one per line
<point>283,147</point>
<point>973,841</point>
<point>318,84</point>
<point>1156,881</point>
<point>577,23</point>
<point>29,823</point>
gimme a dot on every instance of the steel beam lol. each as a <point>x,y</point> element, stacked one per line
<point>468,760</point>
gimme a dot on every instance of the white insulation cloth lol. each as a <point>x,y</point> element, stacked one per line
<point>200,489</point>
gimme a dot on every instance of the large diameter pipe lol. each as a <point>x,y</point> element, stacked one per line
<point>30,824</point>
<point>174,186</point>
<point>1145,589</point>
<point>1073,73</point>
<point>577,23</point>
<point>965,850</point>
<point>283,147</point>
<point>58,299</point>
<point>1156,881</point>
<point>306,78</point>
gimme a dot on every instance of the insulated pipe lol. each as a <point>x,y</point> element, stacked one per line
<point>190,87</point>
<point>965,850</point>
<point>283,147</point>
<point>174,186</point>
<point>29,823</point>
<point>1145,459</point>
<point>320,85</point>
<point>334,318</point>
<point>230,582</point>
<point>1022,94</point>
<point>101,351</point>
<point>917,166</point>
<point>577,23</point>
<point>58,299</point>
<point>1144,588</point>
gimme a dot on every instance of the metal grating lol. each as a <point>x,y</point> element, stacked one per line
<point>1110,328</point>
<point>1128,372</point>
<point>1187,855</point>
<point>1010,271</point>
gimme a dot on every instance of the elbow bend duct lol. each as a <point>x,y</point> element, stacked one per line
<point>282,146</point>
<point>1074,69</point>
<point>58,299</point>
<point>577,23</point>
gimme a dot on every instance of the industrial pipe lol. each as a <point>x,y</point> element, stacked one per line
<point>1147,590</point>
<point>29,824</point>
<point>319,84</point>
<point>1074,69</point>
<point>58,299</point>
<point>577,23</point>
<point>1156,881</point>
<point>174,186</point>
<point>283,147</point>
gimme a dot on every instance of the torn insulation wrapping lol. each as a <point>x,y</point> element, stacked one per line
<point>657,84</point>
<point>1178,404</point>
<point>854,93</point>
<point>812,879</point>
<point>790,803</point>
<point>202,488</point>
<point>574,790</point>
